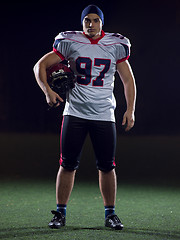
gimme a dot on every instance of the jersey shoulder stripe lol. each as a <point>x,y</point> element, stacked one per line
<point>108,39</point>
<point>120,41</point>
<point>76,36</point>
<point>115,38</point>
<point>64,39</point>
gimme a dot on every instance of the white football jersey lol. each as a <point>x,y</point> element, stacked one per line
<point>94,64</point>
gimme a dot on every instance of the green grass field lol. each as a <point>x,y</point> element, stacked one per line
<point>148,212</point>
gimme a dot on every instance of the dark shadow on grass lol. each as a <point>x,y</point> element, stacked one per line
<point>142,231</point>
<point>138,231</point>
<point>8,233</point>
<point>24,232</point>
<point>154,232</point>
<point>87,228</point>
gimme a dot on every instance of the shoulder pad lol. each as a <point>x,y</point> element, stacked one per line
<point>67,34</point>
<point>118,38</point>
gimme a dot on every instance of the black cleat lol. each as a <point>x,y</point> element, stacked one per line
<point>112,221</point>
<point>57,221</point>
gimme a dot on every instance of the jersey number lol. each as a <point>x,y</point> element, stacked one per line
<point>84,67</point>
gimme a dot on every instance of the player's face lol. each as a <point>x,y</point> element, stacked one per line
<point>92,25</point>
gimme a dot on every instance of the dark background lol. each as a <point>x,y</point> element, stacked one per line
<point>27,33</point>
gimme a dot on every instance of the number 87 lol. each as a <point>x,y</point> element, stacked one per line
<point>84,67</point>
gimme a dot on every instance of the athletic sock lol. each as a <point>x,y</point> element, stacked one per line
<point>109,210</point>
<point>61,208</point>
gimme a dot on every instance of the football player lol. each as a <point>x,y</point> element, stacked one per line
<point>94,56</point>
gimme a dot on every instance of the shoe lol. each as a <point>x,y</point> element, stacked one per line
<point>114,222</point>
<point>57,221</point>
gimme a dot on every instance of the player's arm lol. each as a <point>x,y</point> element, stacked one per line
<point>127,77</point>
<point>41,77</point>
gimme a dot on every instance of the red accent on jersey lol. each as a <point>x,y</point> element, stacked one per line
<point>122,60</point>
<point>95,41</point>
<point>61,160</point>
<point>114,163</point>
<point>59,54</point>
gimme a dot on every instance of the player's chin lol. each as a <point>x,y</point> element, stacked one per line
<point>91,34</point>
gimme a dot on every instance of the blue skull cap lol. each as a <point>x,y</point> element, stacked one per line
<point>92,9</point>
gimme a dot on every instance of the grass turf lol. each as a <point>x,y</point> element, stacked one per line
<point>148,212</point>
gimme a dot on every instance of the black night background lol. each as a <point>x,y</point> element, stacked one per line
<point>30,134</point>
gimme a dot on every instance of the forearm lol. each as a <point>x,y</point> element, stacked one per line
<point>41,76</point>
<point>130,94</point>
<point>127,77</point>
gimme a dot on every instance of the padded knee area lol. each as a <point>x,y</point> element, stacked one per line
<point>106,167</point>
<point>69,165</point>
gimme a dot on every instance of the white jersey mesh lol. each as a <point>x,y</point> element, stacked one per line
<point>94,65</point>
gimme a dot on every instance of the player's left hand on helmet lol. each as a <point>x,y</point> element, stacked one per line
<point>128,120</point>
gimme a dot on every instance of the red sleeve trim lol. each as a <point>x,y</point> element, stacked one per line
<point>122,59</point>
<point>59,54</point>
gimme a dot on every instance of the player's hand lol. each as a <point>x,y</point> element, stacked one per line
<point>128,120</point>
<point>53,99</point>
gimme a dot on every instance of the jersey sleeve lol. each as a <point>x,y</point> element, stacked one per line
<point>61,46</point>
<point>123,50</point>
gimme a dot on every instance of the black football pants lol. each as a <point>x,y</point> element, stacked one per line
<point>73,133</point>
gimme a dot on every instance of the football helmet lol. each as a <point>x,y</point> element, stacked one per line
<point>60,78</point>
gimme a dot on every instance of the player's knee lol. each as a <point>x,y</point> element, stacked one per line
<point>106,167</point>
<point>62,169</point>
<point>69,165</point>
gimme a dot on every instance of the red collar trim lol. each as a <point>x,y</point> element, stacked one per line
<point>95,41</point>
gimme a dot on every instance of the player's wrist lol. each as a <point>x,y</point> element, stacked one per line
<point>46,89</point>
<point>130,110</point>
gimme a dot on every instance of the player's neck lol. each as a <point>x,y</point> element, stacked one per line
<point>98,35</point>
<point>95,38</point>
